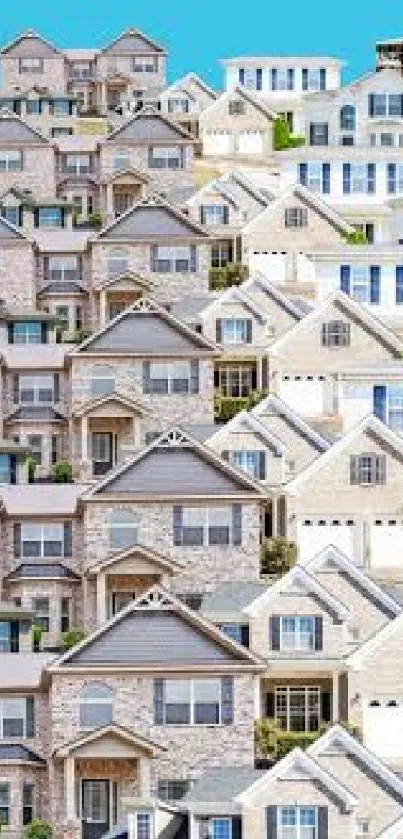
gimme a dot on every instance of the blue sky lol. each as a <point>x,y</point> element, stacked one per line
<point>198,33</point>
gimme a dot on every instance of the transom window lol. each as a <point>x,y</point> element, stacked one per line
<point>296,217</point>
<point>171,377</point>
<point>4,804</point>
<point>297,633</point>
<point>336,333</point>
<point>298,708</point>
<point>297,823</point>
<point>123,526</point>
<point>368,469</point>
<point>169,157</point>
<point>95,705</point>
<point>117,262</point>
<point>207,526</point>
<point>36,389</point>
<point>192,702</point>
<point>235,330</point>
<point>16,717</point>
<point>10,160</point>
<point>40,540</point>
<point>27,332</point>
<point>177,259</point>
<point>102,380</point>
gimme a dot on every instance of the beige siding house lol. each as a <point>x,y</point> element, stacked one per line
<point>237,125</point>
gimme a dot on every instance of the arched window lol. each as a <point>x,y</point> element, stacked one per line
<point>102,380</point>
<point>96,705</point>
<point>122,530</point>
<point>347,118</point>
<point>117,262</point>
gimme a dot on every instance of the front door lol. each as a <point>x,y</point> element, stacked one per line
<point>123,200</point>
<point>95,808</point>
<point>102,452</point>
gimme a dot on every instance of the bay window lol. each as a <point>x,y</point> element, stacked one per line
<point>166,157</point>
<point>205,701</point>
<point>16,717</point>
<point>165,259</point>
<point>297,823</point>
<point>198,526</point>
<point>42,540</point>
<point>10,160</point>
<point>36,390</point>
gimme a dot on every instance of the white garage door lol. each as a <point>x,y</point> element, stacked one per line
<point>383,727</point>
<point>305,394</point>
<point>386,544</point>
<point>217,143</point>
<point>313,535</point>
<point>250,142</point>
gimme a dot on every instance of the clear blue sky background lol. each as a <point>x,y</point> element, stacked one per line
<point>197,33</point>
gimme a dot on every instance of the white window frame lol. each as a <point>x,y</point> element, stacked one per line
<point>171,371</point>
<point>129,525</point>
<point>65,266</point>
<point>121,160</point>
<point>167,155</point>
<point>313,78</point>
<point>236,326</point>
<point>24,334</point>
<point>135,833</point>
<point>178,105</point>
<point>6,786</point>
<point>117,262</point>
<point>36,385</point>
<point>299,830</point>
<point>108,376</point>
<point>191,685</point>
<point>300,644</point>
<point>85,698</point>
<point>247,460</point>
<point>394,403</point>
<point>12,160</point>
<point>42,612</point>
<point>78,164</point>
<point>213,214</point>
<point>13,699</point>
<point>358,177</point>
<point>205,516</point>
<point>360,283</point>
<point>42,538</point>
<point>31,64</point>
<point>314,176</point>
<point>173,255</point>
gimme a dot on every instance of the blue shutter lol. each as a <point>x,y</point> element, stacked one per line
<point>322,75</point>
<point>326,178</point>
<point>275,632</point>
<point>371,105</point>
<point>259,76</point>
<point>290,78</point>
<point>391,177</point>
<point>194,376</point>
<point>227,700</point>
<point>273,78</point>
<point>399,284</point>
<point>375,283</point>
<point>193,259</point>
<point>237,524</point>
<point>305,79</point>
<point>345,278</point>
<point>346,178</point>
<point>241,76</point>
<point>303,173</point>
<point>371,178</point>
<point>379,403</point>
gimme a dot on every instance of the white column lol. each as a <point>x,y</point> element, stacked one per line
<point>102,307</point>
<point>258,373</point>
<point>109,201</point>
<point>144,770</point>
<point>258,698</point>
<point>84,439</point>
<point>335,697</point>
<point>136,432</point>
<point>274,521</point>
<point>70,791</point>
<point>101,599</point>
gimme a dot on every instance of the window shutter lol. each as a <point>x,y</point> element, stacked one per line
<point>46,269</point>
<point>375,283</point>
<point>218,331</point>
<point>259,76</point>
<point>399,284</point>
<point>237,524</point>
<point>346,178</point>
<point>249,331</point>
<point>44,333</point>
<point>322,78</point>
<point>177,515</point>
<point>354,469</point>
<point>20,215</point>
<point>274,78</point>
<point>236,827</point>
<point>245,635</point>
<point>10,331</point>
<point>371,178</point>
<point>194,376</point>
<point>275,632</point>
<point>17,540</point>
<point>380,469</point>
<point>202,216</point>
<point>13,468</point>
<point>56,387</point>
<point>326,178</point>
<point>345,278</point>
<point>262,466</point>
<point>271,822</point>
<point>270,706</point>
<point>241,76</point>
<point>290,78</point>
<point>319,633</point>
<point>80,268</point>
<point>153,257</point>
<point>159,697</point>
<point>264,373</point>
<point>325,334</point>
<point>371,105</point>
<point>14,636</point>
<point>146,377</point>
<point>67,538</point>
<point>391,177</point>
<point>227,700</point>
<point>225,214</point>
<point>303,174</point>
<point>225,455</point>
<point>36,217</point>
<point>30,716</point>
<point>16,389</point>
<point>379,403</point>
<point>326,706</point>
<point>193,259</point>
<point>305,78</point>
<point>323,823</point>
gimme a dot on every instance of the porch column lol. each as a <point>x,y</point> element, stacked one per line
<point>274,519</point>
<point>258,373</point>
<point>102,307</point>
<point>258,705</point>
<point>136,432</point>
<point>104,106</point>
<point>84,439</point>
<point>335,697</point>
<point>69,786</point>
<point>109,201</point>
<point>101,599</point>
<point>85,601</point>
<point>144,777</point>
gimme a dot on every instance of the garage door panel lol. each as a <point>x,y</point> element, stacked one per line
<point>250,142</point>
<point>314,537</point>
<point>306,396</point>
<point>383,729</point>
<point>386,545</point>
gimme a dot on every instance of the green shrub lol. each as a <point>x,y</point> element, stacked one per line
<point>273,742</point>
<point>31,465</point>
<point>356,237</point>
<point>62,472</point>
<point>36,637</point>
<point>70,638</point>
<point>229,275</point>
<point>37,829</point>
<point>95,219</point>
<point>277,556</point>
<point>283,139</point>
<point>226,407</point>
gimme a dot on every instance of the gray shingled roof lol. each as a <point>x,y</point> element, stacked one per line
<point>35,570</point>
<point>228,600</point>
<point>43,413</point>
<point>201,431</point>
<point>188,308</point>
<point>146,333</point>
<point>15,751</point>
<point>63,288</point>
<point>218,787</point>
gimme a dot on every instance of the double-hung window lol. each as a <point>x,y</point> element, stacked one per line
<point>121,160</point>
<point>213,214</point>
<point>314,78</point>
<point>123,525</point>
<point>77,164</point>
<point>385,105</point>
<point>189,701</point>
<point>297,823</point>
<point>395,178</point>
<point>61,107</point>
<point>297,633</point>
<point>362,282</point>
<point>34,443</point>
<point>36,390</point>
<point>207,526</point>
<point>27,332</point>
<point>142,823</point>
<point>296,217</point>
<point>315,175</point>
<point>28,802</point>
<point>7,472</point>
<point>368,469</point>
<point>10,160</point>
<point>178,105</point>
<point>318,134</point>
<point>41,609</point>
<point>169,378</point>
<point>33,106</point>
<point>236,107</point>
<point>5,803</point>
<point>16,717</point>
<point>251,462</point>
<point>117,262</point>
<point>50,217</point>
<point>235,331</point>
<point>347,118</point>
<point>63,269</point>
<point>165,157</point>
<point>177,259</point>
<point>336,333</point>
<point>95,705</point>
<point>42,540</point>
<point>358,177</point>
<point>102,380</point>
<point>30,65</point>
<point>145,64</point>
<point>394,408</point>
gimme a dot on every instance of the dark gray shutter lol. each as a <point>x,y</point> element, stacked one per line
<point>17,539</point>
<point>225,214</point>
<point>275,632</point>
<point>13,469</point>
<point>319,633</point>
<point>236,827</point>
<point>237,524</point>
<point>44,333</point>
<point>227,700</point>
<point>15,636</point>
<point>264,373</point>
<point>67,538</point>
<point>153,257</point>
<point>262,466</point>
<point>381,469</point>
<point>56,387</point>
<point>177,514</point>
<point>249,331</point>
<point>46,269</point>
<point>194,377</point>
<point>30,716</point>
<point>270,706</point>
<point>225,454</point>
<point>218,331</point>
<point>10,333</point>
<point>326,706</point>
<point>354,469</point>
<point>202,216</point>
<point>159,692</point>
<point>245,635</point>
<point>193,259</point>
<point>79,269</point>
<point>146,377</point>
<point>271,822</point>
<point>323,823</point>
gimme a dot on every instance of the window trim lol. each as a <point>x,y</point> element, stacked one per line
<point>192,702</point>
<point>299,834</point>
<point>297,634</point>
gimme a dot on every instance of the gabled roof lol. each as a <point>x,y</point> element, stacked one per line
<point>275,405</point>
<point>245,420</point>
<point>157,631</point>
<point>334,556</point>
<point>139,174</point>
<point>235,294</point>
<point>147,329</point>
<point>311,200</point>
<point>272,291</point>
<point>241,93</point>
<point>129,277</point>
<point>121,398</point>
<point>152,217</point>
<point>369,424</point>
<point>8,231</point>
<point>240,179</point>
<point>393,831</point>
<point>191,77</point>
<point>14,128</point>
<point>149,126</point>
<point>300,764</point>
<point>29,33</point>
<point>351,308</point>
<point>118,732</point>
<point>217,789</point>
<point>358,657</point>
<point>175,465</point>
<point>138,42</point>
<point>339,737</point>
<point>300,577</point>
<point>164,563</point>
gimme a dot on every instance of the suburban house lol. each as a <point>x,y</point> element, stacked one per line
<point>184,101</point>
<point>28,213</point>
<point>51,111</point>
<point>17,268</point>
<point>239,125</point>
<point>27,158</point>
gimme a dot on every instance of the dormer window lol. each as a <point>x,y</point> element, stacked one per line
<point>236,107</point>
<point>368,469</point>
<point>296,217</point>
